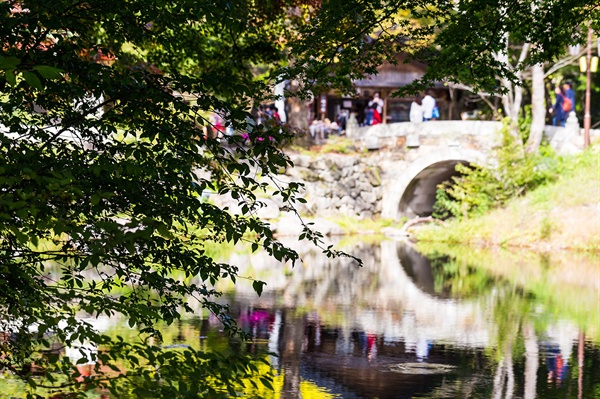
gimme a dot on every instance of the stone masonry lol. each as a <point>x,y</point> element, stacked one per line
<point>337,185</point>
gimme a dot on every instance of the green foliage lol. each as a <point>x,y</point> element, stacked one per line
<point>504,270</point>
<point>537,216</point>
<point>459,42</point>
<point>458,279</point>
<point>524,123</point>
<point>354,226</point>
<point>103,165</point>
<point>477,189</point>
<point>338,145</point>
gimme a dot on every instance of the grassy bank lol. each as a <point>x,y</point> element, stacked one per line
<point>561,215</point>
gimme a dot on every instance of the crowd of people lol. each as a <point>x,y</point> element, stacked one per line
<point>424,109</point>
<point>268,112</point>
<point>421,109</point>
<point>218,127</point>
<point>321,129</point>
<point>374,111</point>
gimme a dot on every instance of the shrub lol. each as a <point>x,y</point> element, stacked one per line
<point>477,189</point>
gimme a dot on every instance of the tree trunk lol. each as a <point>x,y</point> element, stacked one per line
<point>297,109</point>
<point>510,376</point>
<point>291,355</point>
<point>512,104</point>
<point>511,100</point>
<point>538,108</point>
<point>499,380</point>
<point>531,362</point>
<point>580,363</point>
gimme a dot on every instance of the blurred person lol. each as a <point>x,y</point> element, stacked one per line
<point>558,109</point>
<point>376,115</point>
<point>377,102</point>
<point>570,93</point>
<point>369,113</point>
<point>416,110</point>
<point>428,104</point>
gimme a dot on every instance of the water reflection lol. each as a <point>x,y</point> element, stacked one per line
<point>409,326</point>
<point>405,326</point>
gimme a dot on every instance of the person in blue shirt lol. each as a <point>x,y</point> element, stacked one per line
<point>570,93</point>
<point>559,114</point>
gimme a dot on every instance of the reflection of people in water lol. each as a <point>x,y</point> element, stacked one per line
<point>423,347</point>
<point>557,365</point>
<point>420,348</point>
<point>257,322</point>
<point>371,347</point>
<point>557,369</point>
<point>367,342</point>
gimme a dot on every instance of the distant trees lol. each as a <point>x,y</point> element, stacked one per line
<point>103,164</point>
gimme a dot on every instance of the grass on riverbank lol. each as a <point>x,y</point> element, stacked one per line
<point>369,226</point>
<point>561,215</point>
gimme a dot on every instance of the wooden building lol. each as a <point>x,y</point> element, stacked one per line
<point>389,79</point>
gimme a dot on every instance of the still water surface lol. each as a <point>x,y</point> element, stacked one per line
<point>407,326</point>
<point>454,324</point>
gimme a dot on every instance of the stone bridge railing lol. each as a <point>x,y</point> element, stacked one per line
<point>475,135</point>
<point>398,177</point>
<point>480,135</point>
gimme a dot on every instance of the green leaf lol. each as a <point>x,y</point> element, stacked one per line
<point>164,230</point>
<point>266,382</point>
<point>10,77</point>
<point>32,79</point>
<point>258,286</point>
<point>9,63</point>
<point>48,72</point>
<point>95,199</point>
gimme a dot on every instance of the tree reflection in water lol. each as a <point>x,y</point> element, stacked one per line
<point>354,331</point>
<point>447,325</point>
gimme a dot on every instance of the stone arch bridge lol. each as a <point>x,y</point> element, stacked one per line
<point>424,155</point>
<point>404,163</point>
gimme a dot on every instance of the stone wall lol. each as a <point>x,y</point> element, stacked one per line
<point>338,184</point>
<point>335,185</point>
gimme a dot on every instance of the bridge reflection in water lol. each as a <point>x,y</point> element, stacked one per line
<point>402,327</point>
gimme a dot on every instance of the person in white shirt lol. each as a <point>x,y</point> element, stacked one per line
<point>416,110</point>
<point>378,102</point>
<point>428,104</point>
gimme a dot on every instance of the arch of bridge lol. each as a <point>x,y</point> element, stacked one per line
<point>432,150</point>
<point>423,174</point>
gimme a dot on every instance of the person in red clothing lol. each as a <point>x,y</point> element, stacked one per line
<point>376,116</point>
<point>275,114</point>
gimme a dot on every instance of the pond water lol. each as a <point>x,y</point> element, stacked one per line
<point>457,323</point>
<point>442,326</point>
